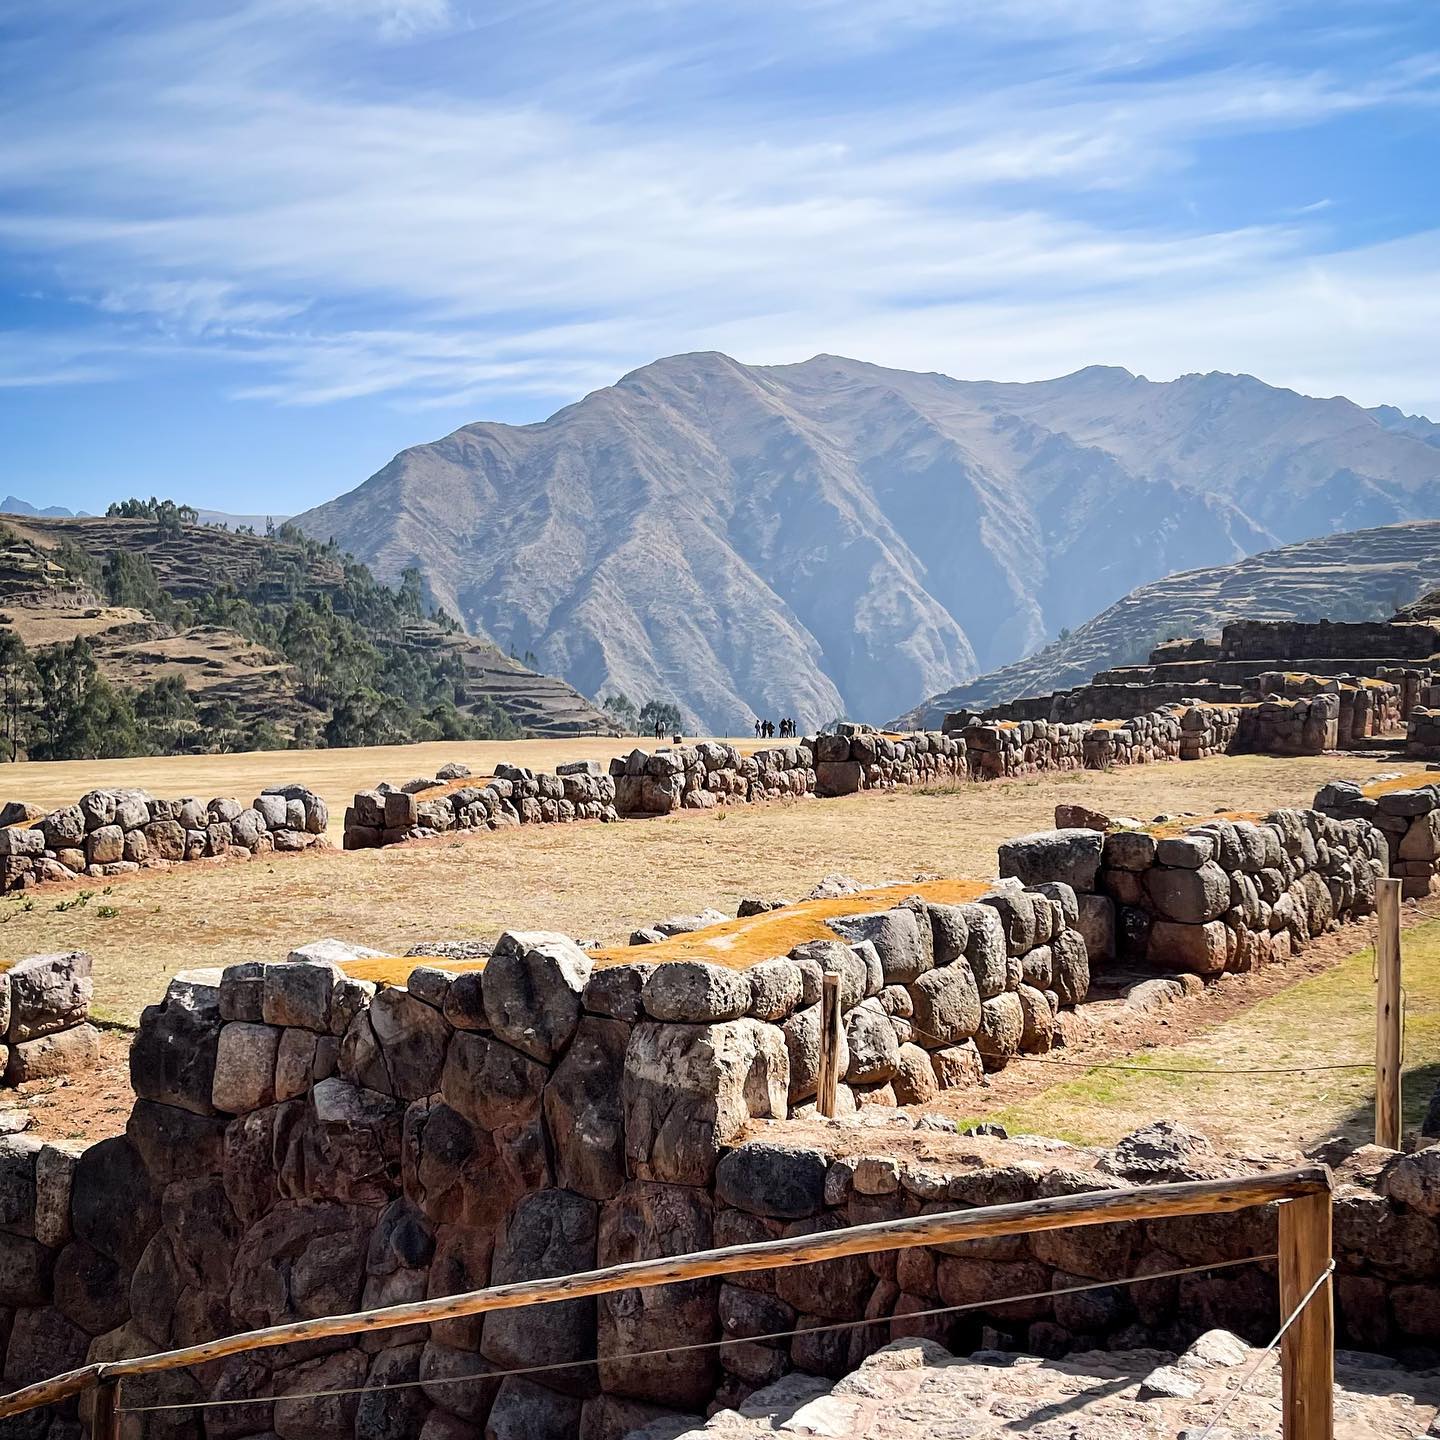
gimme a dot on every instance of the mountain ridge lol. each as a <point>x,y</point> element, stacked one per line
<point>831,536</point>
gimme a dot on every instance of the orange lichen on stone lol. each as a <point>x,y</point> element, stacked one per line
<point>737,944</point>
<point>1169,829</point>
<point>1413,780</point>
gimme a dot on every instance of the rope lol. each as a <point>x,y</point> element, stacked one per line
<point>1260,1359</point>
<point>498,1375</point>
<point>1174,1070</point>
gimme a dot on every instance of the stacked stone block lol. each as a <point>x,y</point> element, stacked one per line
<point>515,795</point>
<point>107,833</point>
<point>1293,727</point>
<point>1409,820</point>
<point>701,776</point>
<point>44,1017</point>
<point>1227,895</point>
<point>1422,730</point>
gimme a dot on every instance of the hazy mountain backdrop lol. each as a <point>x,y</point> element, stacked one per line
<point>834,537</point>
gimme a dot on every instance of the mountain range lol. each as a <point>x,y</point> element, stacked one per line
<point>1356,575</point>
<point>834,537</point>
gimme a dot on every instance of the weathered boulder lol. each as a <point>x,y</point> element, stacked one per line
<point>802,1043</point>
<point>1197,949</point>
<point>524,1410</point>
<point>549,1232</point>
<point>986,949</point>
<point>1071,856</point>
<point>532,986</point>
<point>345,1145</point>
<point>776,989</point>
<point>896,937</point>
<point>299,993</point>
<point>688,1089</point>
<point>412,1037</point>
<point>764,1178</point>
<point>244,1076</point>
<point>692,991</point>
<point>47,993</point>
<point>872,1043</point>
<point>582,1110</point>
<point>915,1080</point>
<point>946,1004</point>
<point>1070,966</point>
<point>113,1207</point>
<point>172,1059</point>
<point>490,1083</point>
<point>647,1221</point>
<point>1002,1023</point>
<point>65,1052</point>
<point>1191,896</point>
<point>617,991</point>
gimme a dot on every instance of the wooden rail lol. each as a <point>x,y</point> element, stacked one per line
<point>1298,1266</point>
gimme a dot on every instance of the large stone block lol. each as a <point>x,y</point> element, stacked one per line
<point>65,1052</point>
<point>550,1232</point>
<point>896,937</point>
<point>532,986</point>
<point>1071,856</point>
<point>1189,896</point>
<point>299,993</point>
<point>986,949</point>
<point>172,1059</point>
<point>1002,1023</point>
<point>646,1221</point>
<point>873,1045</point>
<point>412,1037</point>
<point>802,1045</point>
<point>300,1261</point>
<point>346,1145</point>
<point>113,1206</point>
<point>491,1083</point>
<point>244,1067</point>
<point>583,1112</point>
<point>48,993</point>
<point>689,1089</point>
<point>946,1005</point>
<point>692,992</point>
<point>1198,949</point>
<point>783,1181</point>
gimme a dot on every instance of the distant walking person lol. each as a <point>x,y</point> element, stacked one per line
<point>759,728</point>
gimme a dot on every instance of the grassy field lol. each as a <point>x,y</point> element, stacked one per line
<point>588,880</point>
<point>1326,1019</point>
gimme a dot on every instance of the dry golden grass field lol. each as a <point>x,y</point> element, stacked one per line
<point>589,880</point>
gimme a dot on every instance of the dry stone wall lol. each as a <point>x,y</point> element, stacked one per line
<point>108,833</point>
<point>301,1146</point>
<point>1408,819</point>
<point>45,1017</point>
<point>514,795</point>
<point>1226,895</point>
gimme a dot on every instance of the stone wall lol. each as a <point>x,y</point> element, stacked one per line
<point>1422,730</point>
<point>1290,640</point>
<point>1224,895</point>
<point>699,777</point>
<point>1409,819</point>
<point>302,1146</point>
<point>107,833</point>
<point>514,795</point>
<point>45,1017</point>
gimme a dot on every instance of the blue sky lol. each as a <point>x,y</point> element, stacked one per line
<point>251,248</point>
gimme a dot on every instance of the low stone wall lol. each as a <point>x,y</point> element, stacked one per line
<point>1224,895</point>
<point>514,795</point>
<point>303,1146</point>
<point>44,1017</point>
<point>699,777</point>
<point>1422,730</point>
<point>1291,727</point>
<point>1409,819</point>
<point>116,832</point>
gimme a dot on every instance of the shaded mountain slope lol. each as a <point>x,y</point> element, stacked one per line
<point>837,537</point>
<point>1361,575</point>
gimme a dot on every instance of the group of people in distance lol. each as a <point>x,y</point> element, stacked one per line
<point>767,729</point>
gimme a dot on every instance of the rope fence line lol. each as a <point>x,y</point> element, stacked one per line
<point>994,1302</point>
<point>1260,1359</point>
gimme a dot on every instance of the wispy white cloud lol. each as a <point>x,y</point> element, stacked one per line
<point>269,182</point>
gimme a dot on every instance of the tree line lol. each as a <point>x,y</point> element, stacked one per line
<point>368,670</point>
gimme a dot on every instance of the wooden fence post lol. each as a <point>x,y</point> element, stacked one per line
<point>1388,1016</point>
<point>105,1415</point>
<point>1307,1350</point>
<point>825,1099</point>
